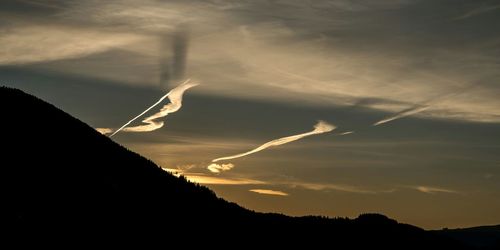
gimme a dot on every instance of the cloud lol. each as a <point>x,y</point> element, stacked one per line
<point>43,4</point>
<point>285,52</point>
<point>25,44</point>
<point>433,190</point>
<point>179,169</point>
<point>347,133</point>
<point>185,167</point>
<point>336,187</point>
<point>201,178</point>
<point>204,179</point>
<point>148,16</point>
<point>174,171</point>
<point>217,168</point>
<point>319,128</point>
<point>175,97</point>
<point>268,192</point>
<point>104,131</point>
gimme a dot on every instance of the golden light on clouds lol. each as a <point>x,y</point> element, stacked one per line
<point>42,43</point>
<point>270,59</point>
<point>434,190</point>
<point>104,131</point>
<point>204,179</point>
<point>269,66</point>
<point>268,192</point>
<point>217,168</point>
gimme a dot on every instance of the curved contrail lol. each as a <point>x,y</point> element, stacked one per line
<point>319,128</point>
<point>133,119</point>
<point>175,97</point>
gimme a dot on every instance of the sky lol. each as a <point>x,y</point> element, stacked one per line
<point>274,90</point>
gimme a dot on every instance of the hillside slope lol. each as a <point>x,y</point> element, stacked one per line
<point>60,176</point>
<point>484,237</point>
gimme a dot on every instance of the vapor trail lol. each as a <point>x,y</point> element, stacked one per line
<point>346,133</point>
<point>133,119</point>
<point>426,104</point>
<point>404,113</point>
<point>175,98</point>
<point>319,128</point>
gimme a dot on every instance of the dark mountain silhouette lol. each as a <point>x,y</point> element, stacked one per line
<point>62,179</point>
<point>484,237</point>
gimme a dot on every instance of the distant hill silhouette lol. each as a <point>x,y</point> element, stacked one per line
<point>484,237</point>
<point>62,178</point>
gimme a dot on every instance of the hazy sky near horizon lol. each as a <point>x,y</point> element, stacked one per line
<point>269,69</point>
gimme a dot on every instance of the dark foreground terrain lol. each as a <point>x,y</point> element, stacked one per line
<point>63,180</point>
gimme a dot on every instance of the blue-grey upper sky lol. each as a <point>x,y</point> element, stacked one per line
<point>271,69</point>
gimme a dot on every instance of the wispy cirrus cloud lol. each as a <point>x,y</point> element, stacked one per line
<point>191,172</point>
<point>478,11</point>
<point>202,178</point>
<point>26,44</point>
<point>336,187</point>
<point>281,52</point>
<point>434,190</point>
<point>269,192</point>
<point>212,180</point>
